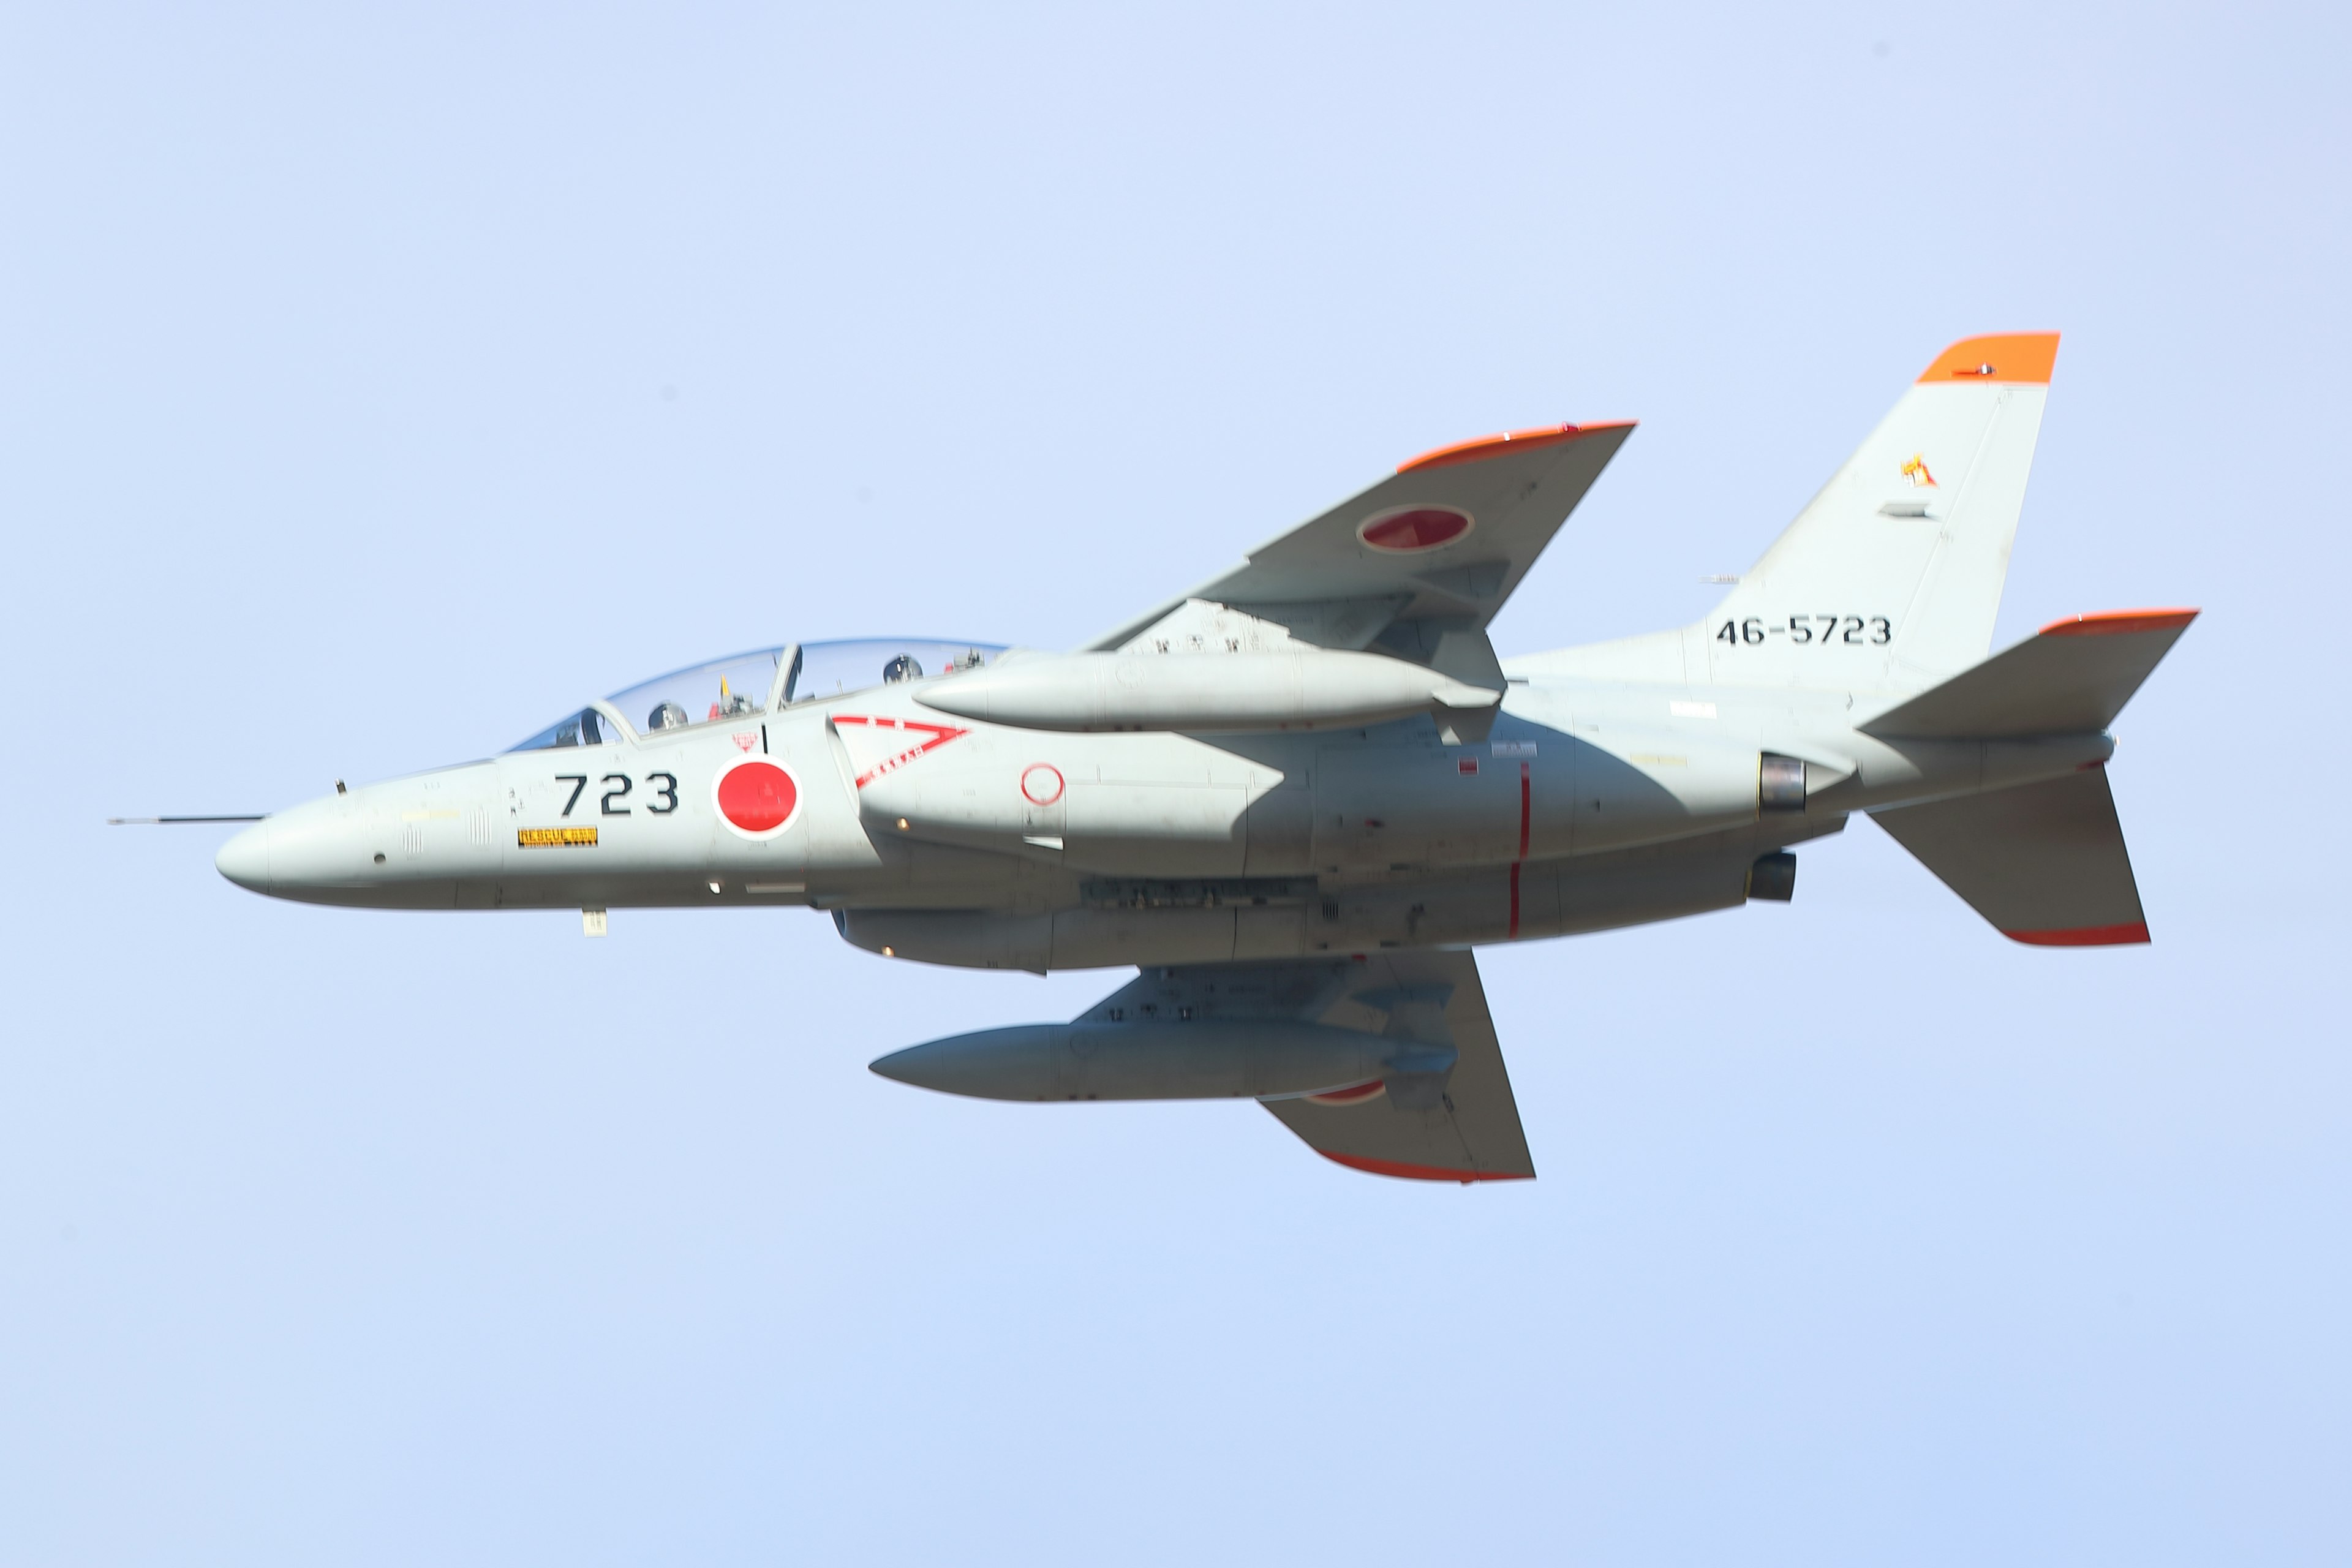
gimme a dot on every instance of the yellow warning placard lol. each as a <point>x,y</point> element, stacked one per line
<point>555,837</point>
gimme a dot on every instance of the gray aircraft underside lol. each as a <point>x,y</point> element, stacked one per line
<point>1297,797</point>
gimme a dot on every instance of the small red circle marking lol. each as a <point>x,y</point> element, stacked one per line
<point>1355,1096</point>
<point>1415,528</point>
<point>1041,784</point>
<point>757,797</point>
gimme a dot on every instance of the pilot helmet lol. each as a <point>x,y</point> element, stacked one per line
<point>666,716</point>
<point>902,667</point>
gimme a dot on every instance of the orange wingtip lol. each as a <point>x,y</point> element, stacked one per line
<point>2108,623</point>
<point>1418,1173</point>
<point>1487,447</point>
<point>2084,936</point>
<point>2007,356</point>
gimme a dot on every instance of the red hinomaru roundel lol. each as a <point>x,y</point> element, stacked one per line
<point>1409,529</point>
<point>756,796</point>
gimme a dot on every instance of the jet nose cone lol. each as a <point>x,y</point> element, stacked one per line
<point>245,860</point>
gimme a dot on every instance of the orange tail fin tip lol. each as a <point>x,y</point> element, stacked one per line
<point>2023,357</point>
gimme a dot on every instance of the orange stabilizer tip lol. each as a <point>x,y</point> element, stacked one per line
<point>1487,447</point>
<point>2109,623</point>
<point>2006,356</point>
<point>2084,936</point>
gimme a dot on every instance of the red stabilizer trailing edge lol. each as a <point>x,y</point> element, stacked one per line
<point>1421,1172</point>
<point>2125,935</point>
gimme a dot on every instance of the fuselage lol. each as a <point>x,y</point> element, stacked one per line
<point>1590,803</point>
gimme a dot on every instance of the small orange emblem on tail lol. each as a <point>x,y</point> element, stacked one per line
<point>1915,470</point>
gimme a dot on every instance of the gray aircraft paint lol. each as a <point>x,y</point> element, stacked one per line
<point>1317,759</point>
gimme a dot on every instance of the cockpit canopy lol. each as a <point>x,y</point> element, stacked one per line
<point>761,681</point>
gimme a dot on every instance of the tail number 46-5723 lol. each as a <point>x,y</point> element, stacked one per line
<point>1856,631</point>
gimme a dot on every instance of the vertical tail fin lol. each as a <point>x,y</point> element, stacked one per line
<point>1890,577</point>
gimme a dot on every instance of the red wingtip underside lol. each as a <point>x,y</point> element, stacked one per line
<point>1417,1172</point>
<point>1487,447</point>
<point>2108,623</point>
<point>2084,936</point>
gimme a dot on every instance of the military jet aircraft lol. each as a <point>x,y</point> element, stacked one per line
<point>1299,797</point>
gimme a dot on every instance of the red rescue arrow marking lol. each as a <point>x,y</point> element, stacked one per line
<point>936,736</point>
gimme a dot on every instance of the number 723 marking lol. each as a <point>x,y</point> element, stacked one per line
<point>664,799</point>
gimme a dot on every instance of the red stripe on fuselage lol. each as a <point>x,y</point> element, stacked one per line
<point>1527,814</point>
<point>1526,808</point>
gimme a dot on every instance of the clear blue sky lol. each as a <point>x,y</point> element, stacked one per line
<point>375,385</point>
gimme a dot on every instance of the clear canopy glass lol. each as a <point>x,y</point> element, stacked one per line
<point>727,687</point>
<point>745,684</point>
<point>585,728</point>
<point>837,668</point>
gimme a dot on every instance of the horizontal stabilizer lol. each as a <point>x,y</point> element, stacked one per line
<point>2072,678</point>
<point>2046,863</point>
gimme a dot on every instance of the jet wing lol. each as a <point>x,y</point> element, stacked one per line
<point>1434,548</point>
<point>1456,1124</point>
